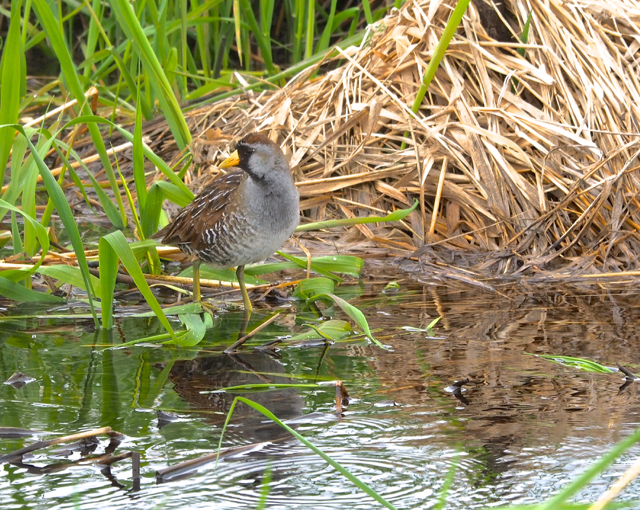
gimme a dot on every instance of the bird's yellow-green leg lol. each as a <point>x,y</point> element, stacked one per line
<point>196,281</point>
<point>243,289</point>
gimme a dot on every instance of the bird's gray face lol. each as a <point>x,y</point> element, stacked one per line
<point>260,160</point>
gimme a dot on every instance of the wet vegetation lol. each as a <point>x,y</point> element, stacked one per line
<point>443,133</point>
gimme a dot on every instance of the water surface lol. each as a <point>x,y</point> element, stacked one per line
<point>521,429</point>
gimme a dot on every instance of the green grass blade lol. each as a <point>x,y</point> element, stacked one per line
<point>263,43</point>
<point>343,471</point>
<point>54,33</point>
<point>524,36</point>
<point>39,230</point>
<point>325,38</point>
<point>107,204</point>
<point>149,154</point>
<point>10,93</point>
<point>66,216</point>
<point>366,7</point>
<point>70,275</point>
<point>138,158</point>
<point>310,26</point>
<point>398,215</point>
<point>129,22</point>
<point>598,467</point>
<point>115,246</point>
<point>20,293</point>
<point>441,48</point>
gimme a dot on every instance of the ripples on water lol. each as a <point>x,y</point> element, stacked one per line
<point>522,428</point>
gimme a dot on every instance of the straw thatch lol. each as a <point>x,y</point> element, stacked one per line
<point>519,163</point>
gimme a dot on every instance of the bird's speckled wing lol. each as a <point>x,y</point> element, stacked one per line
<point>203,213</point>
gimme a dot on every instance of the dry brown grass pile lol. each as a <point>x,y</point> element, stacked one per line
<point>519,163</point>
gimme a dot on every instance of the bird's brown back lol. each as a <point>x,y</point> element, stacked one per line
<point>203,213</point>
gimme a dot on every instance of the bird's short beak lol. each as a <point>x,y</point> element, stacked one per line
<point>232,160</point>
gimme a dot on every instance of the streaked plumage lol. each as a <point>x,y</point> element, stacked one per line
<point>244,216</point>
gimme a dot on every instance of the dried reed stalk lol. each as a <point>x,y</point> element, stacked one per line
<point>538,153</point>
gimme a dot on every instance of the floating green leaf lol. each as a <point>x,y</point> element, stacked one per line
<point>312,287</point>
<point>332,330</point>
<point>581,363</point>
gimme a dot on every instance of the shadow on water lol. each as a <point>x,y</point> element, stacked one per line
<point>519,430</point>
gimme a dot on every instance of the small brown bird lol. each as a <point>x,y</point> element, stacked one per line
<point>243,216</point>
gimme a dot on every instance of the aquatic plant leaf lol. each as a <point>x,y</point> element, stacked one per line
<point>66,216</point>
<point>53,30</point>
<point>265,386</point>
<point>40,233</point>
<point>591,472</point>
<point>398,215</point>
<point>303,263</point>
<point>114,247</point>
<point>222,275</point>
<point>343,471</point>
<point>332,330</point>
<point>580,363</point>
<point>18,292</point>
<point>196,329</point>
<point>344,264</point>
<point>391,288</point>
<point>127,19</point>
<point>71,275</point>
<point>357,316</point>
<point>12,84</point>
<point>428,329</point>
<point>174,310</point>
<point>311,287</point>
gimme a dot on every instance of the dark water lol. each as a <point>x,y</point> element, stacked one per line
<point>522,429</point>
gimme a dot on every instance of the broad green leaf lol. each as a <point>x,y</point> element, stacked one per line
<point>312,287</point>
<point>303,263</point>
<point>353,312</point>
<point>223,275</point>
<point>332,330</point>
<point>196,329</point>
<point>174,310</point>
